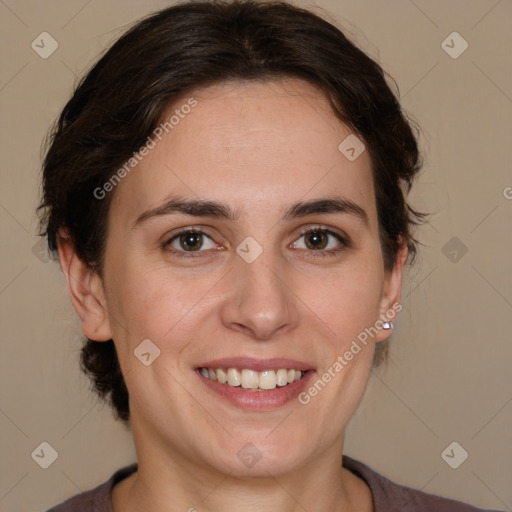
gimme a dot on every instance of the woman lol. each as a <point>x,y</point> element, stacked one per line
<point>226,193</point>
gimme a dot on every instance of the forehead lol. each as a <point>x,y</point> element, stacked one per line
<point>252,144</point>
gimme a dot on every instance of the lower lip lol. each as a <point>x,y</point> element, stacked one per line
<point>258,400</point>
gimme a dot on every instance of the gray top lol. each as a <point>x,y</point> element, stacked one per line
<point>387,495</point>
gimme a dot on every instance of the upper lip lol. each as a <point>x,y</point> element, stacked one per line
<point>258,365</point>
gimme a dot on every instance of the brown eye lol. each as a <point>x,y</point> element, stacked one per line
<point>189,241</point>
<point>316,240</point>
<point>321,240</point>
<point>192,240</point>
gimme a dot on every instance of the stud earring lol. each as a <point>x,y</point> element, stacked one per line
<point>387,325</point>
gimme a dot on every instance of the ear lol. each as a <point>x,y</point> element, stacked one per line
<point>392,293</point>
<point>85,290</point>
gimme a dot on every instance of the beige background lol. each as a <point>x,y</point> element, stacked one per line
<point>449,376</point>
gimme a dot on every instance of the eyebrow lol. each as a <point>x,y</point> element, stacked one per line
<point>223,211</point>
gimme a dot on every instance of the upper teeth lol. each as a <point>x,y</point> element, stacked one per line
<point>250,379</point>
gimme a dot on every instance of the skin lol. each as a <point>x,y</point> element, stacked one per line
<point>257,147</point>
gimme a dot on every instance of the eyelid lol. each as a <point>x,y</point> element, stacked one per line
<point>326,229</point>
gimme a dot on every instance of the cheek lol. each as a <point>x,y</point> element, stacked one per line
<point>156,303</point>
<point>162,304</point>
<point>347,300</point>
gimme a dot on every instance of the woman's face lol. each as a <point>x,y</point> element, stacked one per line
<point>249,290</point>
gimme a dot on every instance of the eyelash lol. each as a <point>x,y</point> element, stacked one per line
<point>320,253</point>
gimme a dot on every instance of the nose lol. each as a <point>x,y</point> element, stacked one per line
<point>260,302</point>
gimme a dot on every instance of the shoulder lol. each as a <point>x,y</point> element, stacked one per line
<point>391,497</point>
<point>97,499</point>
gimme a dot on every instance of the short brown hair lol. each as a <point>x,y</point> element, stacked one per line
<point>192,45</point>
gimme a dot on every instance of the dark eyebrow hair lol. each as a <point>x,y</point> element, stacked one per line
<point>223,211</point>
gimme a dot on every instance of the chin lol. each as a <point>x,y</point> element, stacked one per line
<point>254,456</point>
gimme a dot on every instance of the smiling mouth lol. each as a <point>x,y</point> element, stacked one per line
<point>251,380</point>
